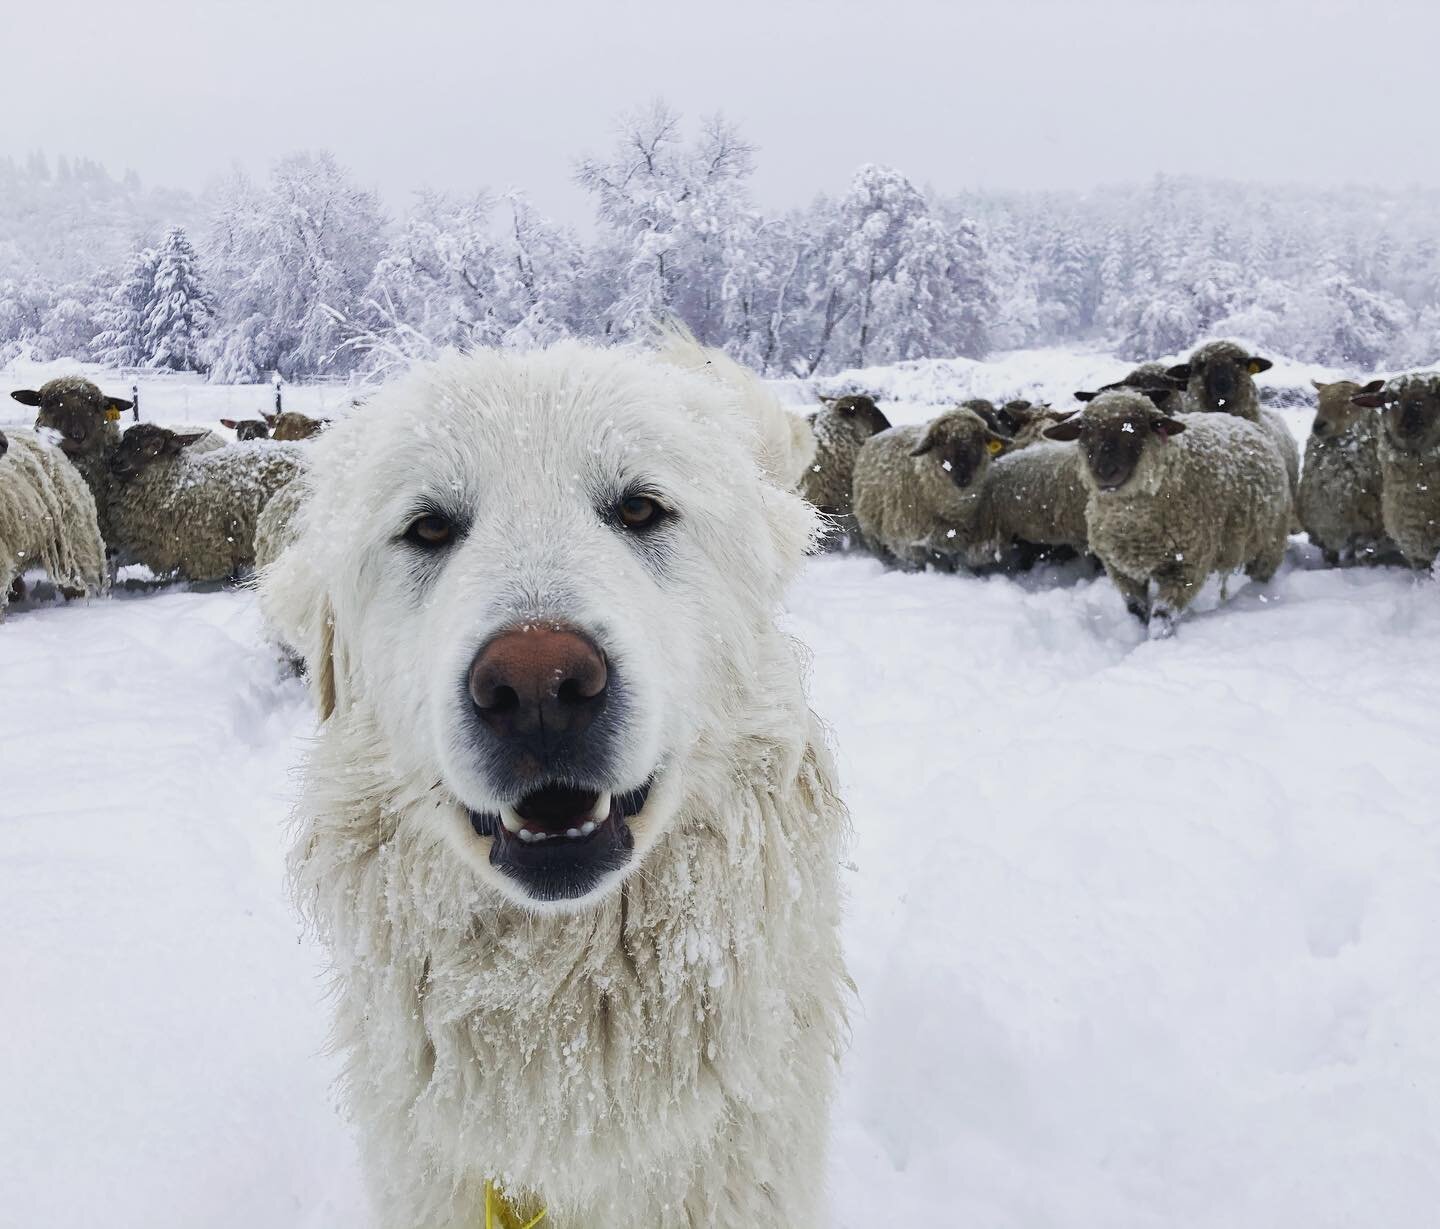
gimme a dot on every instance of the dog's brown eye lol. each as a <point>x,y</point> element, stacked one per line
<point>639,512</point>
<point>430,531</point>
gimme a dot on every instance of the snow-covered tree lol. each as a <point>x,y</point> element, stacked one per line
<point>177,316</point>
<point>121,341</point>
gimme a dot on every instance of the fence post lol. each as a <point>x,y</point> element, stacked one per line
<point>135,401</point>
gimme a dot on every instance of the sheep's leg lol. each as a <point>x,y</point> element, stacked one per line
<point>1175,587</point>
<point>1135,592</point>
<point>1264,566</point>
<point>16,592</point>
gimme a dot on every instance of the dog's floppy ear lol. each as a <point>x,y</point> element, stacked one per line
<point>295,599</point>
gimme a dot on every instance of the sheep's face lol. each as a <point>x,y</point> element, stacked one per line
<point>77,410</point>
<point>143,445</point>
<point>1220,377</point>
<point>4,444</point>
<point>1337,411</point>
<point>1115,432</point>
<point>1411,408</point>
<point>293,426</point>
<point>247,428</point>
<point>860,413</point>
<point>547,578</point>
<point>959,445</point>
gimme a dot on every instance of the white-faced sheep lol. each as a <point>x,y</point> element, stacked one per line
<point>1219,378</point>
<point>1173,500</point>
<point>191,516</point>
<point>1409,451</point>
<point>47,519</point>
<point>841,427</point>
<point>1340,485</point>
<point>919,492</point>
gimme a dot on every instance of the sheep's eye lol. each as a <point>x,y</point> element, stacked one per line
<point>430,532</point>
<point>640,512</point>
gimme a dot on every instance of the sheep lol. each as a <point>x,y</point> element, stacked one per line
<point>1409,450</point>
<point>248,428</point>
<point>1219,379</point>
<point>293,426</point>
<point>1025,421</point>
<point>1340,485</point>
<point>85,419</point>
<point>919,492</point>
<point>47,520</point>
<point>1146,378</point>
<point>191,516</point>
<point>840,428</point>
<point>278,525</point>
<point>1173,499</point>
<point>1038,495</point>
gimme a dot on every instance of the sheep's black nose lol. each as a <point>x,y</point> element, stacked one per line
<point>538,682</point>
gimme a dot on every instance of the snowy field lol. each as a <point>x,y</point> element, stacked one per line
<point>1145,934</point>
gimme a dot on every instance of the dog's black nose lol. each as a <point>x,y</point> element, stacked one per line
<point>538,683</point>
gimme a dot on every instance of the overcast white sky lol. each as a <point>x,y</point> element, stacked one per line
<point>997,93</point>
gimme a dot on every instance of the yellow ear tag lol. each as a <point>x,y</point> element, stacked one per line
<point>1256,369</point>
<point>112,415</point>
<point>994,446</point>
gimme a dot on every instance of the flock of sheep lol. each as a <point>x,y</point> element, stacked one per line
<point>1166,477</point>
<point>194,506</point>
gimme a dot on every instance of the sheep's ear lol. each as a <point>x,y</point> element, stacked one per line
<point>228,422</point>
<point>1180,372</point>
<point>117,404</point>
<point>1167,427</point>
<point>1369,401</point>
<point>184,441</point>
<point>1085,396</point>
<point>1319,385</point>
<point>1374,386</point>
<point>1159,397</point>
<point>1065,430</point>
<point>1257,364</point>
<point>270,419</point>
<point>922,447</point>
<point>26,396</point>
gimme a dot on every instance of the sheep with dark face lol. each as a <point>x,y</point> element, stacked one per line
<point>1409,450</point>
<point>840,427</point>
<point>1219,378</point>
<point>1146,378</point>
<point>919,492</point>
<point>85,419</point>
<point>1340,486</point>
<point>1173,500</point>
<point>248,428</point>
<point>188,515</point>
<point>1025,421</point>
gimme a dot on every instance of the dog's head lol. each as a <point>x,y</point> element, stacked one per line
<point>547,578</point>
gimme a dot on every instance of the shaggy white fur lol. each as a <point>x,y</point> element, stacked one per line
<point>661,1050</point>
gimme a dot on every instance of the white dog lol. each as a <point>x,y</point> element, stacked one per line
<point>570,831</point>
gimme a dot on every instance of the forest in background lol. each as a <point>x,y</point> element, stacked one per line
<point>306,274</point>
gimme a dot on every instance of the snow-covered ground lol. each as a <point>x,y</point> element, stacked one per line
<point>1145,934</point>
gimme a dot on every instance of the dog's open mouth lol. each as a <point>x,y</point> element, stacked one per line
<point>559,842</point>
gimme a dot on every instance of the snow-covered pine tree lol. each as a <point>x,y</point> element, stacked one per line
<point>121,341</point>
<point>177,318</point>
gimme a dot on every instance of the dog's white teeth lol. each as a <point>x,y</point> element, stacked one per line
<point>572,833</point>
<point>601,810</point>
<point>587,827</point>
<point>510,817</point>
